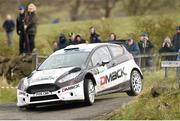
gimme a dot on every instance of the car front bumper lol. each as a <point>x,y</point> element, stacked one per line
<point>69,93</point>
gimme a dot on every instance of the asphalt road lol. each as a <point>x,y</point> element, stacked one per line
<point>103,105</point>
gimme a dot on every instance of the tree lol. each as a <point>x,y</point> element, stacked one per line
<point>109,5</point>
<point>74,9</point>
<point>141,7</point>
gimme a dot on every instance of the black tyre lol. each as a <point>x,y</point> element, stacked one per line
<point>89,92</point>
<point>135,84</point>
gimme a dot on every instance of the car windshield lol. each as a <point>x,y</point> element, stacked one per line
<point>68,59</point>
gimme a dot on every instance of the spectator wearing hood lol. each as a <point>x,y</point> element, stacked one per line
<point>63,42</point>
<point>9,26</point>
<point>176,40</point>
<point>94,37</point>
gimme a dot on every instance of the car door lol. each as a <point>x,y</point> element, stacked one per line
<point>101,61</point>
<point>120,64</point>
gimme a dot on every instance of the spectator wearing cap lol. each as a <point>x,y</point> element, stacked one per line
<point>133,48</point>
<point>146,47</point>
<point>94,37</point>
<point>20,29</point>
<point>112,38</point>
<point>176,40</point>
<point>9,26</point>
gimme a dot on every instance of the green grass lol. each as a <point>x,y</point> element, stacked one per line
<point>143,107</point>
<point>7,95</point>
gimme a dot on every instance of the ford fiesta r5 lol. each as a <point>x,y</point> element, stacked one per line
<point>79,73</point>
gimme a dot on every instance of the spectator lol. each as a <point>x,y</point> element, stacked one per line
<point>9,26</point>
<point>133,48</point>
<point>63,42</point>
<point>176,40</point>
<point>55,46</point>
<point>79,40</point>
<point>94,37</point>
<point>20,29</point>
<point>112,38</point>
<point>30,27</point>
<point>72,38</point>
<point>146,47</point>
<point>167,47</point>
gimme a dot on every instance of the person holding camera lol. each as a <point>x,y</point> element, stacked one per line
<point>167,47</point>
<point>146,47</point>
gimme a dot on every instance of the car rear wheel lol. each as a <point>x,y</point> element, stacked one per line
<point>135,84</point>
<point>89,92</point>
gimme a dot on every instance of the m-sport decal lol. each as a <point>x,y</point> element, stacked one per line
<point>112,76</point>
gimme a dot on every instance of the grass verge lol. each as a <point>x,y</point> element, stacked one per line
<point>145,106</point>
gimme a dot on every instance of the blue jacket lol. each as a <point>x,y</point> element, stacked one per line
<point>95,38</point>
<point>9,25</point>
<point>133,49</point>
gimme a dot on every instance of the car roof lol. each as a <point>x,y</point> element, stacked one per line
<point>82,47</point>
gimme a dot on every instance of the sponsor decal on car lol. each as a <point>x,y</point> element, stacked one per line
<point>112,76</point>
<point>70,87</point>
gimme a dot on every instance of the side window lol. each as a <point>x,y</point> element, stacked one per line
<point>116,51</point>
<point>99,55</point>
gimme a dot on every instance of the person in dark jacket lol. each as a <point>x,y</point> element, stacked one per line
<point>63,42</point>
<point>112,38</point>
<point>30,27</point>
<point>9,26</point>
<point>176,40</point>
<point>167,47</point>
<point>20,29</point>
<point>146,47</point>
<point>133,48</point>
<point>94,37</point>
<point>79,40</point>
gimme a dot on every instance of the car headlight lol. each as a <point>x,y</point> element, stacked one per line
<point>69,77</point>
<point>23,84</point>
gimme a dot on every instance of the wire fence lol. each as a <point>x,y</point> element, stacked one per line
<point>146,62</point>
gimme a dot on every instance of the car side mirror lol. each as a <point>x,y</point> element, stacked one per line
<point>104,62</point>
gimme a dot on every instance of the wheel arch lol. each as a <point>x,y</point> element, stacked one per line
<point>136,69</point>
<point>90,76</point>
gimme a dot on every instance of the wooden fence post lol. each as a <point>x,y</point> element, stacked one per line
<point>178,75</point>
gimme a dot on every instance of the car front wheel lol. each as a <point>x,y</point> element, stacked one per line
<point>135,84</point>
<point>89,92</point>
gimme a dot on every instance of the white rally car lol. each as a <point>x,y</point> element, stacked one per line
<point>79,73</point>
